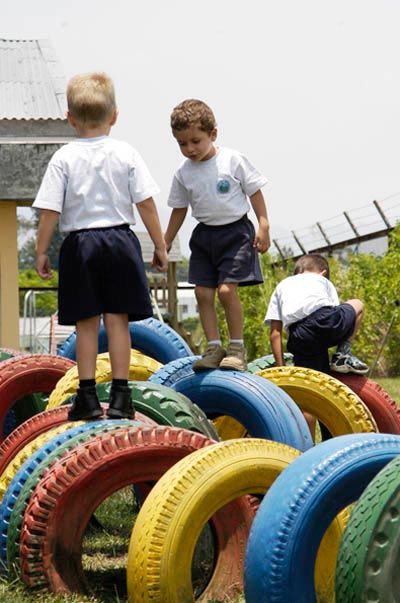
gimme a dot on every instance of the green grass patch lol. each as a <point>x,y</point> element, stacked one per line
<point>391,385</point>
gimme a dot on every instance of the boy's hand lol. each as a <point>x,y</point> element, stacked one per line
<point>262,241</point>
<point>160,260</point>
<point>43,266</point>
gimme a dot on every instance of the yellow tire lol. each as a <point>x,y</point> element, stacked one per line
<point>324,397</point>
<point>141,368</point>
<point>228,428</point>
<point>189,494</point>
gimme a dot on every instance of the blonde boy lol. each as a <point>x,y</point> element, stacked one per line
<point>217,182</point>
<point>91,186</point>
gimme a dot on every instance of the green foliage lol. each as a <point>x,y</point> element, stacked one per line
<point>26,255</point>
<point>46,301</point>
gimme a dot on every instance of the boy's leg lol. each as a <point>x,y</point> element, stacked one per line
<point>236,354</point>
<point>343,361</point>
<point>214,353</point>
<point>86,404</point>
<point>119,348</point>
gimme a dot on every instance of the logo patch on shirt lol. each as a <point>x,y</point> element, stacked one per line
<point>223,186</point>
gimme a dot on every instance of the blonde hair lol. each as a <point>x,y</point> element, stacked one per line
<point>312,262</point>
<point>91,98</point>
<point>193,112</point>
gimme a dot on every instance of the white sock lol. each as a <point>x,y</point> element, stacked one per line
<point>214,342</point>
<point>240,341</point>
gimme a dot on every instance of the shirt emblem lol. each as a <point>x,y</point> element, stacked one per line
<point>223,186</point>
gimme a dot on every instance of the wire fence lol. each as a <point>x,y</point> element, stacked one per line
<point>351,227</point>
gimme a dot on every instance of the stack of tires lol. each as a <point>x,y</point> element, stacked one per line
<point>220,461</point>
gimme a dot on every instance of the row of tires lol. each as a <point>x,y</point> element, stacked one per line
<point>198,479</point>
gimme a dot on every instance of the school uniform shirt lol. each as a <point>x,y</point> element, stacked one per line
<point>299,296</point>
<point>94,183</point>
<point>217,190</point>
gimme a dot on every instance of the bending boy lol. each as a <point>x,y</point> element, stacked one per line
<point>307,306</point>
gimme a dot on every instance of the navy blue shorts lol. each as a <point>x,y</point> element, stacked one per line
<point>224,254</point>
<point>101,271</point>
<point>310,338</point>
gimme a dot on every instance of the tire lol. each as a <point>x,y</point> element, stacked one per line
<point>141,368</point>
<point>329,400</point>
<point>265,412</point>
<point>25,375</point>
<point>299,506</point>
<point>165,406</point>
<point>150,336</point>
<point>268,361</point>
<point>55,519</point>
<point>25,480</point>
<point>37,425</point>
<point>172,517</point>
<point>383,408</point>
<point>368,560</point>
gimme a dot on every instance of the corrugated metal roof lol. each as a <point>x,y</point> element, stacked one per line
<point>32,85</point>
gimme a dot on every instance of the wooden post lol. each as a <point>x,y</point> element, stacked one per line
<point>9,301</point>
<point>172,295</point>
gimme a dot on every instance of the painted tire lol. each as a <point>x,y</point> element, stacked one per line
<point>265,412</point>
<point>165,406</point>
<point>25,375</point>
<point>172,517</point>
<point>38,424</point>
<point>299,506</point>
<point>55,519</point>
<point>383,408</point>
<point>22,485</point>
<point>329,400</point>
<point>150,336</point>
<point>268,361</point>
<point>141,368</point>
<point>368,561</point>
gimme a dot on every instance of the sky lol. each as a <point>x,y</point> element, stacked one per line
<point>308,90</point>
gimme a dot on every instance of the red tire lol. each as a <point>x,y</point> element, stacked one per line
<point>383,408</point>
<point>25,375</point>
<point>55,519</point>
<point>38,424</point>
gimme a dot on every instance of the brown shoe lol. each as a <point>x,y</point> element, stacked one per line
<point>235,359</point>
<point>210,359</point>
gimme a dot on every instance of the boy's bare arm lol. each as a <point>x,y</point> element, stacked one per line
<point>47,223</point>
<point>148,212</point>
<point>275,338</point>
<point>261,241</point>
<point>176,219</point>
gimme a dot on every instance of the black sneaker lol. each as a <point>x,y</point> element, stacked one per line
<point>85,405</point>
<point>347,363</point>
<point>120,406</point>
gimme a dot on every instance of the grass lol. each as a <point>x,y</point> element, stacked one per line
<point>391,385</point>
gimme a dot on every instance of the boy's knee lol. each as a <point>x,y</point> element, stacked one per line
<point>358,306</point>
<point>226,291</point>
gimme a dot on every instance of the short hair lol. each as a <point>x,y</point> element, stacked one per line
<point>312,262</point>
<point>91,98</point>
<point>193,112</point>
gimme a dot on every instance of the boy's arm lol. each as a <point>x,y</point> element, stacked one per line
<point>261,241</point>
<point>47,223</point>
<point>176,219</point>
<point>275,338</point>
<point>148,212</point>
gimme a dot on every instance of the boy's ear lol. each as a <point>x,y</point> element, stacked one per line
<point>71,120</point>
<point>324,272</point>
<point>114,117</point>
<point>214,134</point>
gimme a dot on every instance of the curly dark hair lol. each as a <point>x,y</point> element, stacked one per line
<point>193,112</point>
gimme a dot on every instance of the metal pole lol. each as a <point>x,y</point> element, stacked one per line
<point>384,339</point>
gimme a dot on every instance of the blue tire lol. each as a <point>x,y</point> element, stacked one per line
<point>264,409</point>
<point>299,507</point>
<point>150,336</point>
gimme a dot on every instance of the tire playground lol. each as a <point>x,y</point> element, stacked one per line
<point>232,495</point>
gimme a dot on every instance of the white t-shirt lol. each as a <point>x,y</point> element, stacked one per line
<point>299,296</point>
<point>217,189</point>
<point>94,182</point>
